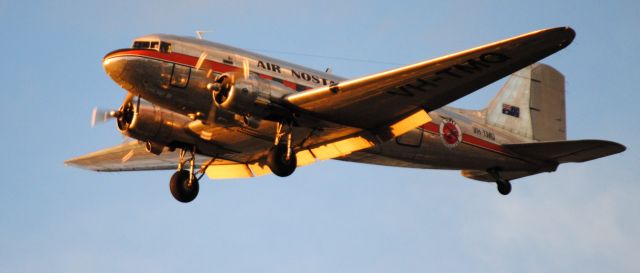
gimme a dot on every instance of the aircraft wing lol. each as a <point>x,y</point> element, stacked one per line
<point>132,156</point>
<point>377,100</point>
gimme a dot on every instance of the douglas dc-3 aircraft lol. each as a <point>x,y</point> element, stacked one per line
<point>206,108</point>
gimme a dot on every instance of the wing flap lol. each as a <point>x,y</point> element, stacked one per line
<point>227,171</point>
<point>359,141</point>
<point>224,169</point>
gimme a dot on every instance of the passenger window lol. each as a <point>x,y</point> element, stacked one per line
<point>180,76</point>
<point>154,45</point>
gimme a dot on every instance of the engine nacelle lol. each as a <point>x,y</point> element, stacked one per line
<point>250,97</point>
<point>156,126</point>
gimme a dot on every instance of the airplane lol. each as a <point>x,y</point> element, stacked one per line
<point>201,107</point>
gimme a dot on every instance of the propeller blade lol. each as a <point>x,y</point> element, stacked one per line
<point>102,115</point>
<point>245,69</point>
<point>125,139</point>
<point>201,60</point>
<point>128,156</point>
<point>128,98</point>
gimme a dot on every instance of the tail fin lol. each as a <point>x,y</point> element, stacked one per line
<point>531,104</point>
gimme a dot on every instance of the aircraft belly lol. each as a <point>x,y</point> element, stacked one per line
<point>241,144</point>
<point>431,153</point>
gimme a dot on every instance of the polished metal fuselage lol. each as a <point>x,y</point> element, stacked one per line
<point>177,81</point>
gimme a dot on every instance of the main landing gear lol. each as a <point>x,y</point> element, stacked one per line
<point>184,184</point>
<point>281,158</point>
<point>504,186</point>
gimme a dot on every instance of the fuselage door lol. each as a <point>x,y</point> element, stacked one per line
<point>180,76</point>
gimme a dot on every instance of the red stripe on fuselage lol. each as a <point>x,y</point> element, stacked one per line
<point>289,84</point>
<point>188,60</point>
<point>468,139</point>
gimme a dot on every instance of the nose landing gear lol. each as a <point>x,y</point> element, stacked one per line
<point>184,185</point>
<point>504,186</point>
<point>281,158</point>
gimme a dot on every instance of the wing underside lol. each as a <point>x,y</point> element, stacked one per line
<point>132,156</point>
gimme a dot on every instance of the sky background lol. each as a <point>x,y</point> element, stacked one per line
<point>328,217</point>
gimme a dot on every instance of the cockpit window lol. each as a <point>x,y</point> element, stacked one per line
<point>155,45</point>
<point>141,44</point>
<point>165,47</point>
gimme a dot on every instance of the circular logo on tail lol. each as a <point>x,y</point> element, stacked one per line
<point>450,133</point>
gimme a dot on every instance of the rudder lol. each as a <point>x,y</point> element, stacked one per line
<point>531,104</point>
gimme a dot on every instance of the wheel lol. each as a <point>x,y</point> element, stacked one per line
<point>180,188</point>
<point>504,186</point>
<point>278,163</point>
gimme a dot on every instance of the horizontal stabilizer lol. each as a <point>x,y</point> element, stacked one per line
<point>487,177</point>
<point>567,151</point>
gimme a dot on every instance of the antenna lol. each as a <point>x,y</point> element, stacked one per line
<point>200,33</point>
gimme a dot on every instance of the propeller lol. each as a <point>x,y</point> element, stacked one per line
<point>100,115</point>
<point>223,84</point>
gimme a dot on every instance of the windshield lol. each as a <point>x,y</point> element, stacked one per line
<point>155,45</point>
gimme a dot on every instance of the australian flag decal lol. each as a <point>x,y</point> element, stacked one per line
<point>511,110</point>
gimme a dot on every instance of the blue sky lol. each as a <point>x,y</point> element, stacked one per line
<point>328,217</point>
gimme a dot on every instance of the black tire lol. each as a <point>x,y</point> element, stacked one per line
<point>180,189</point>
<point>278,163</point>
<point>504,187</point>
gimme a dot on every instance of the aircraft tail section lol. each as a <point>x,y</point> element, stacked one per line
<point>531,104</point>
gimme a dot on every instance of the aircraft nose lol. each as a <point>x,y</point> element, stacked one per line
<point>114,66</point>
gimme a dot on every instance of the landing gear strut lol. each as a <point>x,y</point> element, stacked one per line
<point>281,158</point>
<point>504,186</point>
<point>184,184</point>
